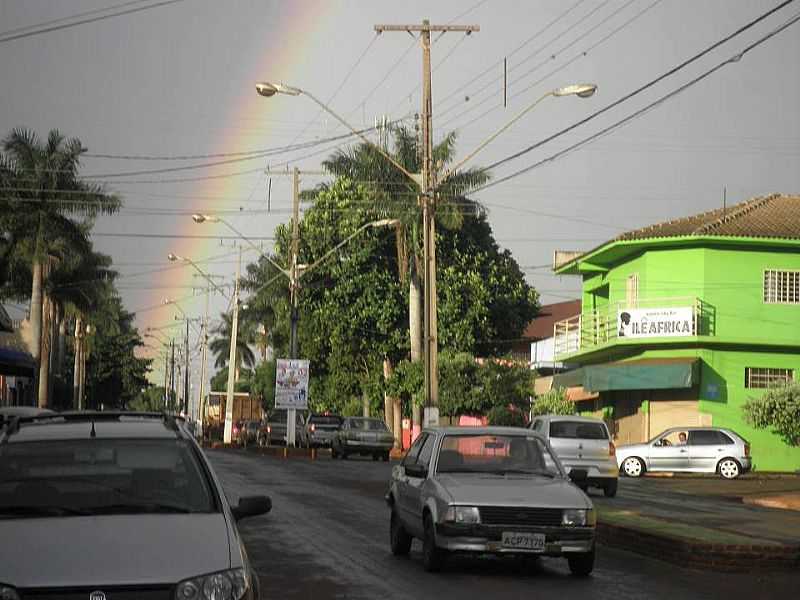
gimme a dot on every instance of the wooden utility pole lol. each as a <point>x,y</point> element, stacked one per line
<point>428,202</point>
<point>227,435</point>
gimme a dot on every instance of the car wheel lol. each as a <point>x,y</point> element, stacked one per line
<point>581,564</point>
<point>729,468</point>
<point>633,467</point>
<point>610,488</point>
<point>375,457</point>
<point>334,453</point>
<point>399,540</point>
<point>385,457</point>
<point>432,557</point>
<point>343,455</point>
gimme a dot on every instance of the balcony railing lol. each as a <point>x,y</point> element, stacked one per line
<point>596,328</point>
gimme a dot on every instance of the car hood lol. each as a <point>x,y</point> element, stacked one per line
<point>512,490</point>
<point>112,549</point>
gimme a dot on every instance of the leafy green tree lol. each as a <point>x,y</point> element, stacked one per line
<point>777,410</point>
<point>553,402</point>
<point>504,416</point>
<point>262,383</point>
<point>151,399</point>
<point>219,382</point>
<point>41,188</point>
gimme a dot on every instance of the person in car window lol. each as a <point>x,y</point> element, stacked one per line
<point>682,438</point>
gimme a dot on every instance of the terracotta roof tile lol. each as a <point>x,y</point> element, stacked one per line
<point>542,326</point>
<point>774,216</point>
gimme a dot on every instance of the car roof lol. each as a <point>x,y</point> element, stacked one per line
<point>483,430</point>
<point>90,424</point>
<point>577,418</point>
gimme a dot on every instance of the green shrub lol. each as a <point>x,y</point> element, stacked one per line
<point>777,410</point>
<point>503,416</point>
<point>553,402</point>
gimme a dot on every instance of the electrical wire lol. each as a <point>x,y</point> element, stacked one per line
<point>9,38</point>
<point>733,59</point>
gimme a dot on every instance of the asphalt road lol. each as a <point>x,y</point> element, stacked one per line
<point>327,537</point>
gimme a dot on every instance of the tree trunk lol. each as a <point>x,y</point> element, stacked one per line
<point>415,315</point>
<point>44,356</point>
<point>61,345</point>
<point>35,317</point>
<point>397,409</point>
<point>364,404</point>
<point>387,399</point>
<point>55,315</point>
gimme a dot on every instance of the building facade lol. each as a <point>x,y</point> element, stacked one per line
<point>684,321</point>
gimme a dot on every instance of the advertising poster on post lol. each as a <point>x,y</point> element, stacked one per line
<point>291,384</point>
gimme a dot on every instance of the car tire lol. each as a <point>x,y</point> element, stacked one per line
<point>343,455</point>
<point>399,540</point>
<point>385,457</point>
<point>729,468</point>
<point>610,488</point>
<point>633,467</point>
<point>376,457</point>
<point>581,564</point>
<point>432,557</point>
<point>334,453</point>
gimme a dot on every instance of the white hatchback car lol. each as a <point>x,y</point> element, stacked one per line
<point>582,443</point>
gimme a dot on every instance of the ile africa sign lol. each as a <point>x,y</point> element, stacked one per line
<point>291,384</point>
<point>656,322</point>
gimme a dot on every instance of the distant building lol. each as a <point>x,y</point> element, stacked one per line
<point>16,365</point>
<point>683,321</point>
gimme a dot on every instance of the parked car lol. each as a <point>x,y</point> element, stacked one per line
<point>362,435</point>
<point>582,443</point>
<point>7,412</point>
<point>273,431</point>
<point>248,432</point>
<point>236,430</point>
<point>79,491</point>
<point>489,490</point>
<point>321,428</point>
<point>688,449</point>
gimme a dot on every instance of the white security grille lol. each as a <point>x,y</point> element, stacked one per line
<point>766,378</point>
<point>781,287</point>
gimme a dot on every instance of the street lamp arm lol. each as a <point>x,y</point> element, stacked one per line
<point>491,138</point>
<point>329,253</point>
<point>253,246</point>
<point>364,138</point>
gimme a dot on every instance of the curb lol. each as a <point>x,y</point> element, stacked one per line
<point>699,555</point>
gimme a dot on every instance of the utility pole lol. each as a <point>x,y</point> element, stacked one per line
<point>166,378</point>
<point>227,434</point>
<point>171,372</point>
<point>203,360</point>
<point>186,372</point>
<point>291,414</point>
<point>427,200</point>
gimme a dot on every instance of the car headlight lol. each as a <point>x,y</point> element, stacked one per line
<point>463,515</point>
<point>8,593</point>
<point>576,517</point>
<point>233,584</point>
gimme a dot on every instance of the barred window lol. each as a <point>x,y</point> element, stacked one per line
<point>766,378</point>
<point>781,287</point>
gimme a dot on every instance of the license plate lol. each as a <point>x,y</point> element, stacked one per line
<point>523,541</point>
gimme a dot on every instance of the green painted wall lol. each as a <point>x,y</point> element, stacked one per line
<point>742,330</point>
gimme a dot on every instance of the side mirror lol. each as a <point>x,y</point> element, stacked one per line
<point>420,471</point>
<point>578,476</point>
<point>251,506</point>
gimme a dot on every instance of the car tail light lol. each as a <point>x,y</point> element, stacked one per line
<point>612,450</point>
<point>747,449</point>
<point>269,429</point>
<point>313,428</point>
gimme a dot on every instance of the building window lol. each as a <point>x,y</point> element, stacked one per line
<point>781,287</point>
<point>632,290</point>
<point>766,378</point>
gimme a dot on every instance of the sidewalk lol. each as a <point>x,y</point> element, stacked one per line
<point>704,523</point>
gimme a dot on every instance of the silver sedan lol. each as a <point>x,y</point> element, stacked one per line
<point>489,490</point>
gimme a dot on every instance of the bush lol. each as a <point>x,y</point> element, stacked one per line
<point>778,410</point>
<point>553,402</point>
<point>503,416</point>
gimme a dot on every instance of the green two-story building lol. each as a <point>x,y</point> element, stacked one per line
<point>683,321</point>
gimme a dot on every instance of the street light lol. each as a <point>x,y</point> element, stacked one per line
<point>177,258</point>
<point>268,90</point>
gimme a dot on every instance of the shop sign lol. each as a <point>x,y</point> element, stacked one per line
<point>655,322</point>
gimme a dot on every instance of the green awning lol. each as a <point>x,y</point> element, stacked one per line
<point>645,374</point>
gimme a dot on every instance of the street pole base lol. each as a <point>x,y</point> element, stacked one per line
<point>430,417</point>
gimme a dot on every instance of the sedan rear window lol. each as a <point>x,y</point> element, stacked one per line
<point>325,420</point>
<point>578,430</point>
<point>108,476</point>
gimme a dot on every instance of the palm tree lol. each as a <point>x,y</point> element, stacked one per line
<point>221,344</point>
<point>42,180</point>
<point>397,197</point>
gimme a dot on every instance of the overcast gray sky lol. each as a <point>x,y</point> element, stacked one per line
<point>178,79</point>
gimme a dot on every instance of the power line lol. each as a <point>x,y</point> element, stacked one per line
<point>18,36</point>
<point>733,59</point>
<point>69,18</point>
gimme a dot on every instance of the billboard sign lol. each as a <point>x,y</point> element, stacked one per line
<point>655,322</point>
<point>291,384</point>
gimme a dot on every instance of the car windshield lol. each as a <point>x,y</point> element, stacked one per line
<point>102,476</point>
<point>583,430</point>
<point>496,454</point>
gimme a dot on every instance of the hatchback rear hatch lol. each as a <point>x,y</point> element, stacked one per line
<point>576,441</point>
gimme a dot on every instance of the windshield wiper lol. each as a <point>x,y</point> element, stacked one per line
<point>39,511</point>
<point>136,507</point>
